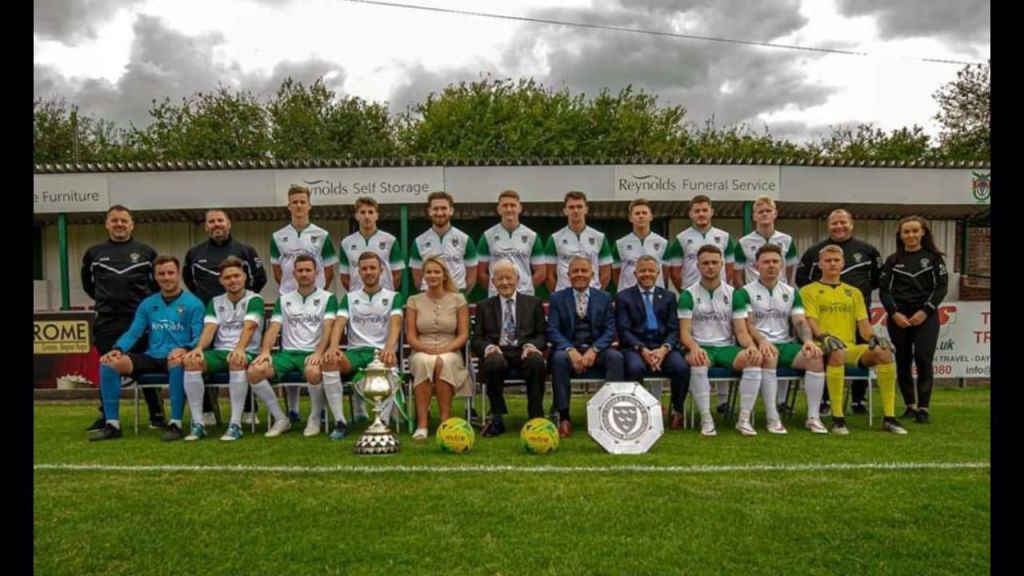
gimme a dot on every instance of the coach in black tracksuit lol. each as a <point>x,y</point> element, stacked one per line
<point>202,276</point>
<point>201,262</point>
<point>914,282</point>
<point>117,274</point>
<point>862,269</point>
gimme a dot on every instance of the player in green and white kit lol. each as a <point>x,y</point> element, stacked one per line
<point>712,320</point>
<point>233,323</point>
<point>626,251</point>
<point>682,250</point>
<point>577,239</point>
<point>682,259</point>
<point>765,214</point>
<point>772,305</point>
<point>511,240</point>
<point>303,318</point>
<point>300,236</point>
<point>746,272</point>
<point>442,239</point>
<point>373,316</point>
<point>369,238</point>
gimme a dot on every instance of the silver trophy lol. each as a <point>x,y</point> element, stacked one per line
<point>378,385</point>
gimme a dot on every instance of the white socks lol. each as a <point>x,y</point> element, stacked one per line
<point>750,382</point>
<point>701,389</point>
<point>194,392</point>
<point>238,387</point>
<point>333,392</point>
<point>266,393</point>
<point>769,385</point>
<point>814,387</point>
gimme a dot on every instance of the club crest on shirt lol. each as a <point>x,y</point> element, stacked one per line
<point>383,245</point>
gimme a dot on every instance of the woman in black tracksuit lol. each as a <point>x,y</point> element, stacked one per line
<point>913,283</point>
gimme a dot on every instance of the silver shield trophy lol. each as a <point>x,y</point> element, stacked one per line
<point>378,385</point>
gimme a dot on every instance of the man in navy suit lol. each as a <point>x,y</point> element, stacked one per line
<point>581,329</point>
<point>649,334</point>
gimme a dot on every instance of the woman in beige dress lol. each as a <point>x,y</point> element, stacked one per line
<point>436,328</point>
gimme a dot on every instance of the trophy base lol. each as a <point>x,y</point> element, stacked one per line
<point>377,440</point>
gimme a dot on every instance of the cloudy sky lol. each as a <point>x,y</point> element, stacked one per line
<point>113,57</point>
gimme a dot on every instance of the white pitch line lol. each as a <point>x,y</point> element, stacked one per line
<point>385,469</point>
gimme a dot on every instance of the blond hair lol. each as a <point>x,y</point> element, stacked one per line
<point>448,283</point>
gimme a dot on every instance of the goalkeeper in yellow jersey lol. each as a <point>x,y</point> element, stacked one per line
<point>837,314</point>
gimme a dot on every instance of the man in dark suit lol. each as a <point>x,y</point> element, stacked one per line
<point>509,334</point>
<point>581,329</point>
<point>649,334</point>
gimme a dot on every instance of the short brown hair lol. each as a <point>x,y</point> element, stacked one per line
<point>221,210</point>
<point>440,195</point>
<point>638,202</point>
<point>298,189</point>
<point>231,262</point>
<point>509,194</point>
<point>766,249</point>
<point>699,199</point>
<point>574,195</point>
<point>709,248</point>
<point>370,255</point>
<point>164,259</point>
<point>365,201</point>
<point>304,257</point>
<point>119,208</point>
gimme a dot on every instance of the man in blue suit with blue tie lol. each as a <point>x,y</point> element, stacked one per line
<point>581,329</point>
<point>645,315</point>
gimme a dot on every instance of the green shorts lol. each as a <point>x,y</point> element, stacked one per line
<point>217,360</point>
<point>360,357</point>
<point>787,353</point>
<point>722,356</point>
<point>287,361</point>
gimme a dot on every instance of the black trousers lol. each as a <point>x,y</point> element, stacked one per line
<point>495,368</point>
<point>106,330</point>
<point>915,345</point>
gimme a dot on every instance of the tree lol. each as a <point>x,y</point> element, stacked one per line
<point>964,114</point>
<point>522,119</point>
<point>206,126</point>
<point>739,142</point>
<point>62,135</point>
<point>870,143</point>
<point>309,122</point>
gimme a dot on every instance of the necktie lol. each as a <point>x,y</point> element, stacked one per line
<point>652,321</point>
<point>581,304</point>
<point>508,326</point>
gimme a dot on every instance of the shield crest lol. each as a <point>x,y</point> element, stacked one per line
<point>383,245</point>
<point>624,418</point>
<point>592,240</point>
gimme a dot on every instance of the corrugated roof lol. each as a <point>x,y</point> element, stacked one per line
<point>169,166</point>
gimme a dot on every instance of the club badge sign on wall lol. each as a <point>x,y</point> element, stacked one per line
<point>624,418</point>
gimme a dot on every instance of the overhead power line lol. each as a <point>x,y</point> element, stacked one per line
<point>610,28</point>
